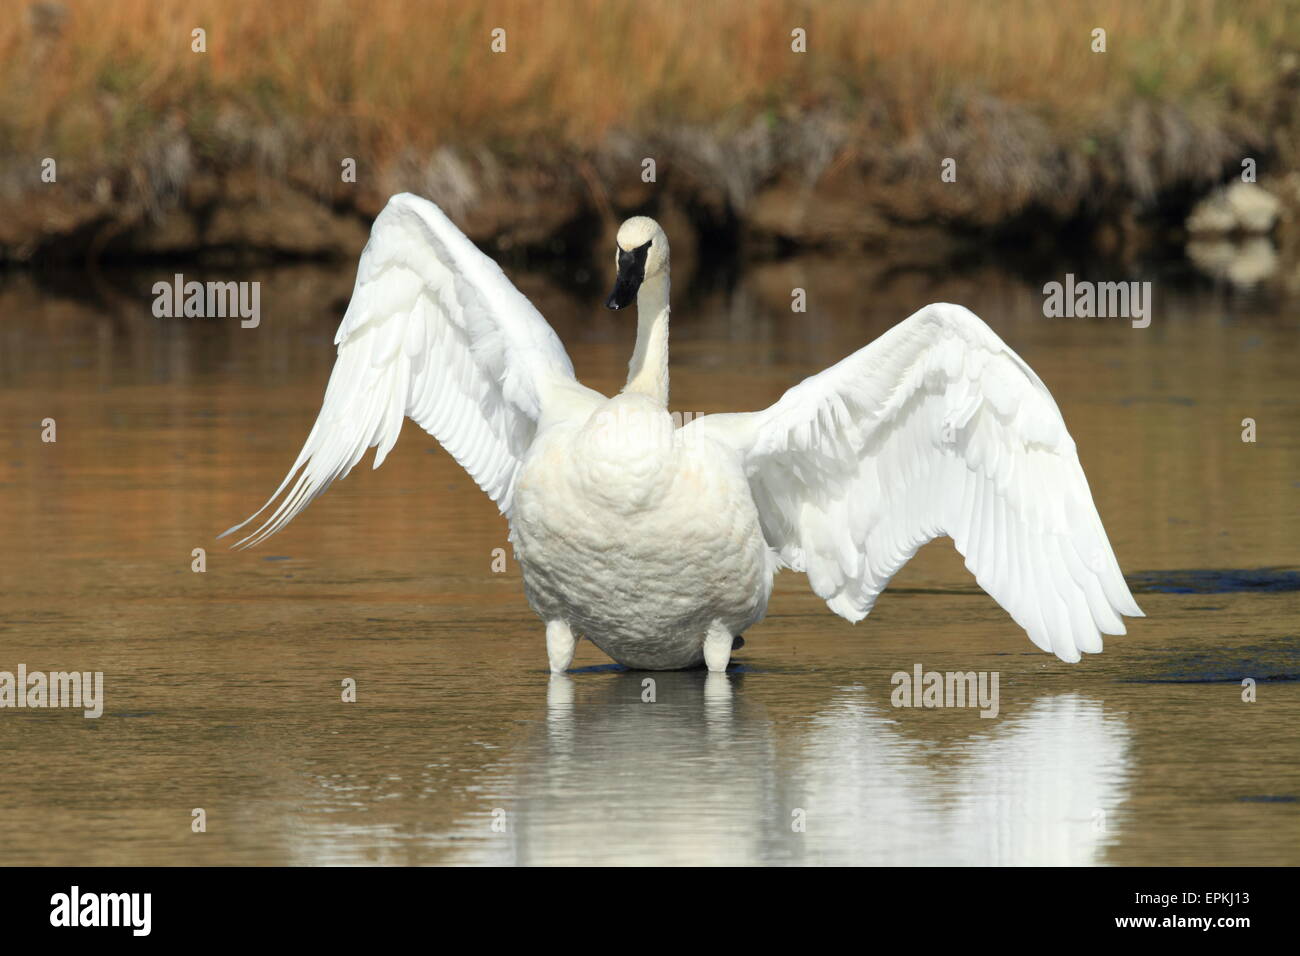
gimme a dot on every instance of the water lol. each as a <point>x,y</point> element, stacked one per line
<point>223,688</point>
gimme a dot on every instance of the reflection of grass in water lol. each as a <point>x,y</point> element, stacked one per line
<point>421,72</point>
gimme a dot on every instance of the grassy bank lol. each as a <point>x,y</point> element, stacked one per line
<point>558,123</point>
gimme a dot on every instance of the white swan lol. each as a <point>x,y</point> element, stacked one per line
<point>660,544</point>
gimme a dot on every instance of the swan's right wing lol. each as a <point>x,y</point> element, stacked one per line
<point>935,428</point>
<point>435,331</point>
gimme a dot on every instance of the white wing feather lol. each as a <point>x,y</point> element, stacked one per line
<point>435,331</point>
<point>935,428</point>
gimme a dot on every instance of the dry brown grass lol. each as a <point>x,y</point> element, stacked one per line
<point>391,74</point>
<point>519,145</point>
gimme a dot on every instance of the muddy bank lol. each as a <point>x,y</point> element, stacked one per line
<point>985,173</point>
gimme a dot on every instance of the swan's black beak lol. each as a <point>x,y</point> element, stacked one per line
<point>631,273</point>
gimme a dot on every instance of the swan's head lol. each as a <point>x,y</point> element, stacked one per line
<point>642,254</point>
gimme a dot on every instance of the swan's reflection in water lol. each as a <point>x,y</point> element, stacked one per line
<point>693,768</point>
<point>703,775</point>
<point>1040,788</point>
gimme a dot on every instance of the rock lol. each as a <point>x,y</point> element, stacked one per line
<point>28,228</point>
<point>505,223</point>
<point>202,190</point>
<point>276,218</point>
<point>1239,208</point>
<point>821,215</point>
<point>175,234</point>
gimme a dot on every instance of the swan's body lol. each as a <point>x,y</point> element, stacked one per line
<point>637,539</point>
<point>659,544</point>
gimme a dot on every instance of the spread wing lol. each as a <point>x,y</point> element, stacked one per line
<point>435,332</point>
<point>935,428</point>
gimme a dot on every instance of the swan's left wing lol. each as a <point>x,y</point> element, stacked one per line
<point>935,428</point>
<point>437,333</point>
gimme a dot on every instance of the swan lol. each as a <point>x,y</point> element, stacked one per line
<point>660,544</point>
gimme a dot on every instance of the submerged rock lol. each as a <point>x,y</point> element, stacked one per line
<point>1244,264</point>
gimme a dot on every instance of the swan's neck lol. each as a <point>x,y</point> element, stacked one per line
<point>647,373</point>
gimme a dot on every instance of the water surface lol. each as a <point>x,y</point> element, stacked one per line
<point>223,687</point>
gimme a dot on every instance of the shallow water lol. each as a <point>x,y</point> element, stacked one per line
<point>223,687</point>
